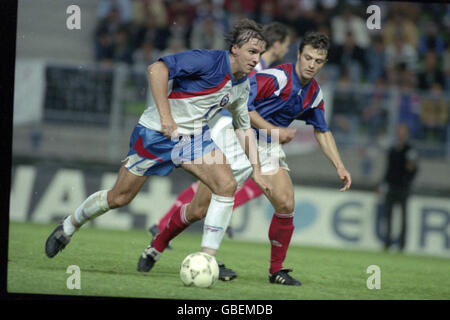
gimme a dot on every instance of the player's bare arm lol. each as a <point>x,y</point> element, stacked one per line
<point>284,134</point>
<point>329,148</point>
<point>158,75</point>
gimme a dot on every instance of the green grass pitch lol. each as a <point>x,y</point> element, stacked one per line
<point>108,258</point>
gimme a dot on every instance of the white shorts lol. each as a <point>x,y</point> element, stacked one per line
<point>271,155</point>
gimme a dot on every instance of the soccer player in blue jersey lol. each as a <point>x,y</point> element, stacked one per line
<point>278,38</point>
<point>278,96</point>
<point>187,89</point>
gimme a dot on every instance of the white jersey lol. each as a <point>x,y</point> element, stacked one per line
<point>200,85</point>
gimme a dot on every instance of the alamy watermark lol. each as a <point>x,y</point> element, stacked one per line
<point>197,145</point>
<point>374,20</point>
<point>374,281</point>
<point>73,21</point>
<point>74,280</point>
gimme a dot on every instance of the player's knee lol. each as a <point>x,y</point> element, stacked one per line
<point>120,200</point>
<point>226,187</point>
<point>197,213</point>
<point>286,205</point>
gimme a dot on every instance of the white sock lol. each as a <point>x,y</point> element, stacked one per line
<point>216,221</point>
<point>68,227</point>
<point>94,206</point>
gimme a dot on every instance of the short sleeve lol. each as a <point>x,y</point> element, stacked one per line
<point>187,63</point>
<point>316,118</point>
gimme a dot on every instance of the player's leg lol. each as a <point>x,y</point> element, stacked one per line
<point>282,225</point>
<point>275,170</point>
<point>216,175</point>
<point>181,219</point>
<point>404,221</point>
<point>184,197</point>
<point>215,193</point>
<point>247,192</point>
<point>388,206</point>
<point>150,153</point>
<point>222,133</point>
<point>125,189</point>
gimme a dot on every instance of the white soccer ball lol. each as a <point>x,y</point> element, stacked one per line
<point>199,269</point>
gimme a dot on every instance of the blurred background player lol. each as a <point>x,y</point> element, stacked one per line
<point>402,167</point>
<point>278,38</point>
<point>164,137</point>
<point>278,96</point>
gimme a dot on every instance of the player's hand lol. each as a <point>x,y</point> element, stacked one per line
<point>262,183</point>
<point>286,134</point>
<point>345,177</point>
<point>169,128</point>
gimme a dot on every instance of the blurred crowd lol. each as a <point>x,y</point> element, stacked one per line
<point>411,50</point>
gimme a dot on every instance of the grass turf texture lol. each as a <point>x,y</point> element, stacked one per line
<point>108,259</point>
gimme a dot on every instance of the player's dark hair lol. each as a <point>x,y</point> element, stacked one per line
<point>243,31</point>
<point>317,40</point>
<point>275,31</point>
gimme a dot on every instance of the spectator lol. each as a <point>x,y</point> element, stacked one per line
<point>177,8</point>
<point>104,49</point>
<point>267,12</point>
<point>375,115</point>
<point>248,7</point>
<point>345,117</point>
<point>110,24</point>
<point>181,29</point>
<point>352,56</point>
<point>400,52</point>
<point>402,167</point>
<point>399,24</point>
<point>124,7</point>
<point>435,12</point>
<point>150,31</point>
<point>122,48</point>
<point>446,68</point>
<point>409,103</point>
<point>346,22</point>
<point>375,60</point>
<point>155,10</point>
<point>430,73</point>
<point>145,55</point>
<point>431,40</point>
<point>300,21</point>
<point>233,13</point>
<point>435,114</point>
<point>207,34</point>
<point>210,9</point>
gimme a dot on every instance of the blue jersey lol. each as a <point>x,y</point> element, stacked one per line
<point>201,83</point>
<point>278,97</point>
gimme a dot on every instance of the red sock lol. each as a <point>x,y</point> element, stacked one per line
<point>247,192</point>
<point>174,227</point>
<point>184,197</point>
<point>280,233</point>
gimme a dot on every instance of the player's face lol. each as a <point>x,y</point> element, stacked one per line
<point>310,61</point>
<point>247,57</point>
<point>282,48</point>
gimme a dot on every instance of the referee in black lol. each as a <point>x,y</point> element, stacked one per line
<point>402,167</point>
